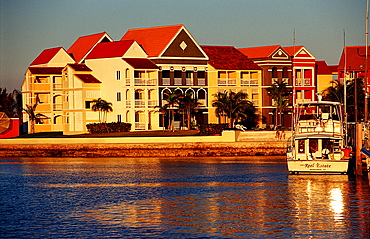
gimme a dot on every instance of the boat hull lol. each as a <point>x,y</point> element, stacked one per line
<point>318,166</point>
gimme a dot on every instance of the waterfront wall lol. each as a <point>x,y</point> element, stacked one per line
<point>228,144</point>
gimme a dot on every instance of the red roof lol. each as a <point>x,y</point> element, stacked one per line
<point>154,40</point>
<point>86,78</point>
<point>292,50</point>
<point>259,52</point>
<point>141,63</point>
<point>110,49</point>
<point>84,44</point>
<point>229,58</point>
<point>355,58</point>
<point>333,68</point>
<point>46,70</point>
<point>323,68</point>
<point>46,56</point>
<point>79,67</point>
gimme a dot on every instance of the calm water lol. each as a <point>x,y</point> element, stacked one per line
<point>177,198</point>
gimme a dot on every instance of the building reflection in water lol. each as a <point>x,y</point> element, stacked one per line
<point>204,196</point>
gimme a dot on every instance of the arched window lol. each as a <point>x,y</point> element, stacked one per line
<point>285,72</point>
<point>274,72</point>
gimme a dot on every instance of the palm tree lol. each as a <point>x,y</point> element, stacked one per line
<point>188,105</point>
<point>172,103</point>
<point>103,107</point>
<point>11,103</point>
<point>33,117</point>
<point>234,106</point>
<point>162,110</point>
<point>280,94</point>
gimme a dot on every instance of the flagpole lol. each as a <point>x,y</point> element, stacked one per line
<point>366,64</point>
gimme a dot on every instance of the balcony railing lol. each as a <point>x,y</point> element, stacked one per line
<point>302,81</point>
<point>152,103</point>
<point>128,104</point>
<point>201,81</point>
<point>166,81</point>
<point>145,82</point>
<point>226,82</point>
<point>178,81</point>
<point>139,125</point>
<point>189,81</point>
<point>139,103</point>
<point>57,86</point>
<point>202,102</point>
<point>128,81</point>
<point>57,106</point>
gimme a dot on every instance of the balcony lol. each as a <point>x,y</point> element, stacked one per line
<point>166,81</point>
<point>202,102</point>
<point>178,81</point>
<point>189,81</point>
<point>152,103</point>
<point>57,107</point>
<point>139,125</point>
<point>302,82</point>
<point>57,86</point>
<point>202,81</point>
<point>41,86</point>
<point>139,104</point>
<point>145,82</point>
<point>128,82</point>
<point>226,82</point>
<point>128,104</point>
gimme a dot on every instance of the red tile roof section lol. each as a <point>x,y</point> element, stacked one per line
<point>154,40</point>
<point>46,70</point>
<point>355,57</point>
<point>322,68</point>
<point>333,68</point>
<point>79,67</point>
<point>46,56</point>
<point>292,50</point>
<point>259,52</point>
<point>83,45</point>
<point>110,49</point>
<point>86,78</point>
<point>141,63</point>
<point>229,58</point>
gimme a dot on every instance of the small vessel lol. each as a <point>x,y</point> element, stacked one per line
<point>318,144</point>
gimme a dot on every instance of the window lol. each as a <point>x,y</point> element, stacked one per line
<point>87,104</point>
<point>119,118</point>
<point>119,97</point>
<point>118,75</point>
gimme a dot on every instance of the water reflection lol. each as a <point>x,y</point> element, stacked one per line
<point>174,197</point>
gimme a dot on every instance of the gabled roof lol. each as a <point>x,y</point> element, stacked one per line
<point>79,67</point>
<point>292,50</point>
<point>83,45</point>
<point>46,56</point>
<point>154,40</point>
<point>87,78</point>
<point>141,63</point>
<point>355,58</point>
<point>259,52</point>
<point>228,58</point>
<point>323,68</point>
<point>46,70</point>
<point>110,49</point>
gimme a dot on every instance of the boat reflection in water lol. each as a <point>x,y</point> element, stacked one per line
<point>241,197</point>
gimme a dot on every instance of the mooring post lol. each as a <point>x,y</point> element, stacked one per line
<point>358,149</point>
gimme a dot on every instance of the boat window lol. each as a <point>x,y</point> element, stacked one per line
<point>313,146</point>
<point>301,146</point>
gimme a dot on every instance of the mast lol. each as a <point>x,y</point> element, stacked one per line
<point>294,83</point>
<point>366,64</point>
<point>345,85</point>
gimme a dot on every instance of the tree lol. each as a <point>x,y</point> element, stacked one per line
<point>234,106</point>
<point>162,110</point>
<point>188,105</point>
<point>103,107</point>
<point>280,94</point>
<point>172,104</point>
<point>354,87</point>
<point>33,116</point>
<point>11,103</point>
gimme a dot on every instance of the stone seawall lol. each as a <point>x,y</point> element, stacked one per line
<point>196,149</point>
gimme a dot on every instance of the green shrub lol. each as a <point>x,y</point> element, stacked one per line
<point>108,127</point>
<point>211,129</point>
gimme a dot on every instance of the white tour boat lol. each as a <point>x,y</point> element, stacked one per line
<point>317,143</point>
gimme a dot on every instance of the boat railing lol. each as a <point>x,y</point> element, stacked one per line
<point>314,126</point>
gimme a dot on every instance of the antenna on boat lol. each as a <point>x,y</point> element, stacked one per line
<point>293,81</point>
<point>366,64</point>
<point>345,85</point>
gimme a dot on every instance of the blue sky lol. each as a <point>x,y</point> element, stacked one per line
<point>27,27</point>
